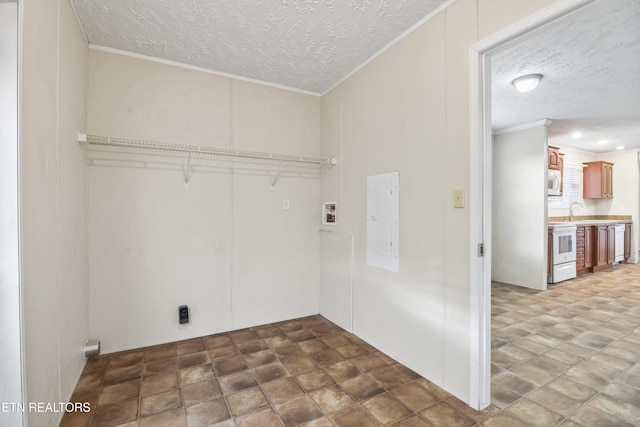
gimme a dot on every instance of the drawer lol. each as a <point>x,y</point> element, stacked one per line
<point>580,242</point>
<point>580,253</point>
<point>580,232</point>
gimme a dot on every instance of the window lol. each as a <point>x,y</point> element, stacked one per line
<point>571,185</point>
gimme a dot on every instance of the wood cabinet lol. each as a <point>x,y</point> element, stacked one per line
<point>584,250</point>
<point>556,162</point>
<point>611,244</point>
<point>597,180</point>
<point>600,247</point>
<point>627,242</point>
<point>595,248</point>
<point>549,253</point>
<point>554,158</point>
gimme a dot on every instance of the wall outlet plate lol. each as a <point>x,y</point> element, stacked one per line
<point>183,314</point>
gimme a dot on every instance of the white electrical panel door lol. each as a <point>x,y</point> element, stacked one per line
<point>382,221</point>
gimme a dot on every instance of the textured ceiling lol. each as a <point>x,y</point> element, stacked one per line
<point>303,44</point>
<point>590,60</point>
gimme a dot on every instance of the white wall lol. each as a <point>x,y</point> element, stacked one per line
<point>221,244</point>
<point>519,238</point>
<point>73,284</point>
<point>408,111</point>
<point>52,204</point>
<point>391,116</point>
<point>10,301</point>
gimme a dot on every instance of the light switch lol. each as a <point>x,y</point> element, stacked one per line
<point>458,198</point>
<point>286,204</point>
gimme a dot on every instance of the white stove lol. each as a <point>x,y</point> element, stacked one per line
<point>564,253</point>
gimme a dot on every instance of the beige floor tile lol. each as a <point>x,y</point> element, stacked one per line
<point>443,414</point>
<point>534,414</point>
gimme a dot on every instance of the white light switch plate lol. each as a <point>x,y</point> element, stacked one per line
<point>458,198</point>
<point>286,204</point>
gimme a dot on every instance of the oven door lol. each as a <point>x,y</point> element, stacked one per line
<point>564,244</point>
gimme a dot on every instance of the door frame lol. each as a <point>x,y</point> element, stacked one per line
<point>12,351</point>
<point>480,191</point>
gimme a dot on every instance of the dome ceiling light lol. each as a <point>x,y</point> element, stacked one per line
<point>527,83</point>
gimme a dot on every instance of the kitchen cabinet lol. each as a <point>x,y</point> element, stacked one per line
<point>611,244</point>
<point>556,162</point>
<point>549,253</point>
<point>597,180</point>
<point>584,250</point>
<point>554,158</point>
<point>595,246</point>
<point>601,247</point>
<point>627,242</point>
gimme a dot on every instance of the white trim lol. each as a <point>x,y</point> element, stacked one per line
<point>533,21</point>
<point>544,122</point>
<point>23,337</point>
<point>12,347</point>
<point>196,68</point>
<point>388,46</point>
<point>79,23</point>
<point>480,151</point>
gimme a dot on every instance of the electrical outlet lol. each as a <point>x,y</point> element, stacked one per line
<point>183,314</point>
<point>286,204</point>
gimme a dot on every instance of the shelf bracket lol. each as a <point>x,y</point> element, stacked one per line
<point>187,171</point>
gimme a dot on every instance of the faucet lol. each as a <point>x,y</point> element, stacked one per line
<point>571,209</point>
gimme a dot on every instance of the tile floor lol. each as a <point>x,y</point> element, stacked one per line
<point>569,356</point>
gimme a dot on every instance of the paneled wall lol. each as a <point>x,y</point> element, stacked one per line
<point>53,221</point>
<point>221,244</point>
<point>408,111</point>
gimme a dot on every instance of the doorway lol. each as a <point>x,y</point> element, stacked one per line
<point>481,190</point>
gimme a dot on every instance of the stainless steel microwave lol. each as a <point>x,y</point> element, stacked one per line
<point>554,181</point>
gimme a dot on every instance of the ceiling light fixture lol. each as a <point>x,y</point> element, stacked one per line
<point>577,134</point>
<point>527,83</point>
<point>603,142</point>
<point>620,147</point>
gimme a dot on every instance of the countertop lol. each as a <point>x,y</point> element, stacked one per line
<point>588,222</point>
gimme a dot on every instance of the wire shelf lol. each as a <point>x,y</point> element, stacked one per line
<point>114,151</point>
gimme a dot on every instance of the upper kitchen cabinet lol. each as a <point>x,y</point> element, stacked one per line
<point>555,158</point>
<point>556,162</point>
<point>597,180</point>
